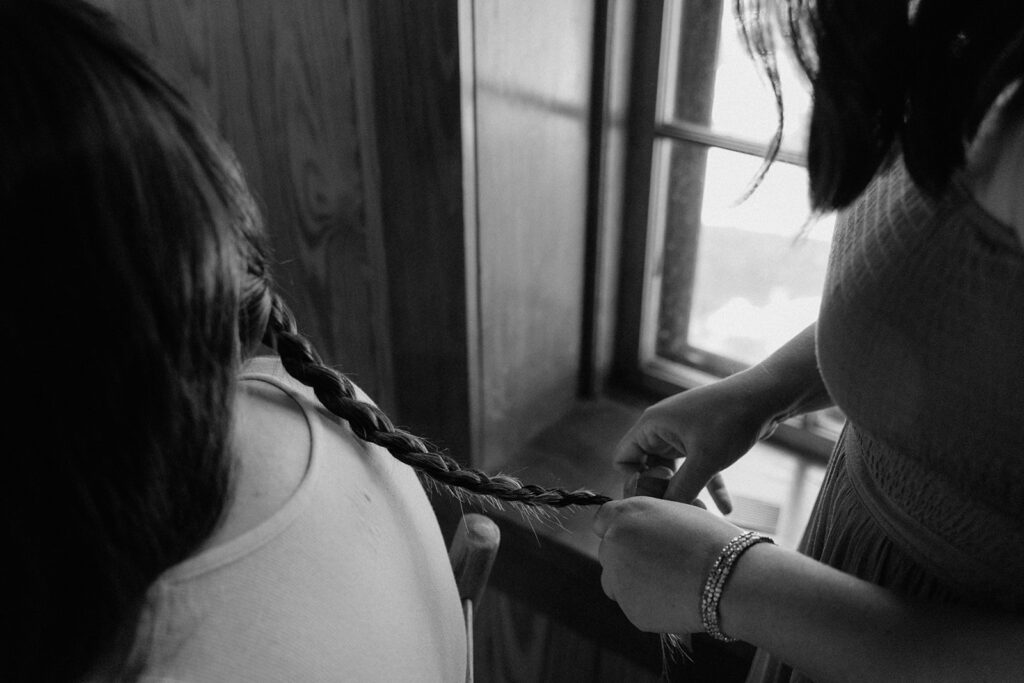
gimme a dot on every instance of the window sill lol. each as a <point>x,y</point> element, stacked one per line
<point>773,487</point>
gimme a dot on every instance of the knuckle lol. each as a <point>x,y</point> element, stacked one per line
<point>606,584</point>
<point>632,509</point>
<point>615,516</point>
<point>650,414</point>
<point>626,444</point>
<point>609,514</point>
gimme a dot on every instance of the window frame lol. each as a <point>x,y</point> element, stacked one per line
<point>652,125</point>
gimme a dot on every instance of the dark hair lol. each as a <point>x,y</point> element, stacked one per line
<point>136,280</point>
<point>120,273</point>
<point>890,77</point>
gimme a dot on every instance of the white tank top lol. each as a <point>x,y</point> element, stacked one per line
<point>348,581</point>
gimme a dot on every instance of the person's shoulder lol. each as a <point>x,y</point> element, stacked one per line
<point>270,447</point>
<point>271,366</point>
<point>995,161</point>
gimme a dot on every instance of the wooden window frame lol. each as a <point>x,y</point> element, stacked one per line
<point>636,368</point>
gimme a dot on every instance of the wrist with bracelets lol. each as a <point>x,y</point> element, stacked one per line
<point>717,577</point>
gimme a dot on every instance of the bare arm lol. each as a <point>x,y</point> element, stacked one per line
<point>995,160</point>
<point>788,382</point>
<point>835,627</point>
<point>714,425</point>
<point>656,555</point>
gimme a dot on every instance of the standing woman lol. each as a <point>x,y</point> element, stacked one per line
<point>911,567</point>
<point>174,509</point>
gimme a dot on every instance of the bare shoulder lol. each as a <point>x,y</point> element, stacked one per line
<point>995,166</point>
<point>270,444</point>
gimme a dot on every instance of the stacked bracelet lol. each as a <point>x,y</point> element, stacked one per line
<point>720,570</point>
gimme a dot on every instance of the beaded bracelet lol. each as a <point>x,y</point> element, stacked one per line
<point>720,570</point>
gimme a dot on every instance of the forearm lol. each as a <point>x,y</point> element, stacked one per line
<point>835,627</point>
<point>787,383</point>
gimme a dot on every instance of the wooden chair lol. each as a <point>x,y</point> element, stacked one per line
<point>472,553</point>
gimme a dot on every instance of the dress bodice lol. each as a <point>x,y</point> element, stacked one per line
<point>921,344</point>
<point>921,334</point>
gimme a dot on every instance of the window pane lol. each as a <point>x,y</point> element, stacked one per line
<point>714,82</point>
<point>728,282</point>
<point>737,281</point>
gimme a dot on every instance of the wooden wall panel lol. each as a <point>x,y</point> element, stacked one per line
<point>282,84</point>
<point>417,81</point>
<point>348,119</point>
<point>532,87</point>
<point>612,181</point>
<point>518,643</point>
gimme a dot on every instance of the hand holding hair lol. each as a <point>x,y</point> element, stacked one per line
<point>652,481</point>
<point>709,427</point>
<point>712,426</point>
<point>656,556</point>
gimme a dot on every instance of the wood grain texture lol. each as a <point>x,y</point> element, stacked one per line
<point>418,113</point>
<point>532,100</point>
<point>278,81</point>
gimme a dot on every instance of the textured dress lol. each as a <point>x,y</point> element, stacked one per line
<point>920,341</point>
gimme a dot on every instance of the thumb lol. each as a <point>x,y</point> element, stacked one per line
<point>643,441</point>
<point>689,481</point>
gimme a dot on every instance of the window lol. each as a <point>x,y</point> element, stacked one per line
<point>728,275</point>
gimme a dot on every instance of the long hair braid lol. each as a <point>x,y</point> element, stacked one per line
<point>337,393</point>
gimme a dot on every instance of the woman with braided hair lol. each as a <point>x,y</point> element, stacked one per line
<point>910,568</point>
<point>175,508</point>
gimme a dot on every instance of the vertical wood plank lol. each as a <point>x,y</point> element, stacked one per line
<point>635,209</point>
<point>532,101</point>
<point>615,110</point>
<point>467,94</point>
<point>278,81</point>
<point>416,72</point>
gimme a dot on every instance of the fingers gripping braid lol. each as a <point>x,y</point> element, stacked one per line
<point>369,423</point>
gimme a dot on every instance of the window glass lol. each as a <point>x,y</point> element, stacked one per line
<point>734,280</point>
<point>730,277</point>
<point>759,277</point>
